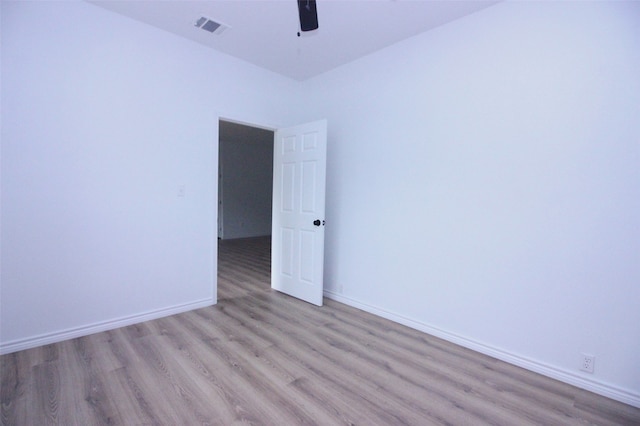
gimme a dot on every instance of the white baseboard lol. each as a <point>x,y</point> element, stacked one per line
<point>72,333</point>
<point>562,375</point>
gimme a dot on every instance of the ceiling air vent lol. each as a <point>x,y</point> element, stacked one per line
<point>210,25</point>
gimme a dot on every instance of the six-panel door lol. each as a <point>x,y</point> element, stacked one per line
<point>299,170</point>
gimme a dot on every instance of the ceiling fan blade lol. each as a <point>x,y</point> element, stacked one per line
<point>308,15</point>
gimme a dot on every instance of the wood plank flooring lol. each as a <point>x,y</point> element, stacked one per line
<point>260,357</point>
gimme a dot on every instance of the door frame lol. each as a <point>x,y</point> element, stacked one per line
<point>246,121</point>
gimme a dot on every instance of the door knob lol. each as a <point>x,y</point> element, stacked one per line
<point>318,223</point>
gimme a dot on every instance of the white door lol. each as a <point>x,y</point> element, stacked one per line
<point>297,247</point>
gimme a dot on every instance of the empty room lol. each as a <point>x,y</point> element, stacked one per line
<point>454,230</point>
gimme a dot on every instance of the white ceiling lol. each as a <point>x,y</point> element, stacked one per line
<point>264,32</point>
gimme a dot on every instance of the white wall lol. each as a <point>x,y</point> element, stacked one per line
<point>103,119</point>
<point>484,185</point>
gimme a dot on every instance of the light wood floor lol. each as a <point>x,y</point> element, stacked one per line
<point>260,357</point>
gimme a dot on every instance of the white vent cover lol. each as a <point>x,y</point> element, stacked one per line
<point>210,25</point>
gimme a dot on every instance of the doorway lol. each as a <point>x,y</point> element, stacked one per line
<point>297,162</point>
<point>245,181</point>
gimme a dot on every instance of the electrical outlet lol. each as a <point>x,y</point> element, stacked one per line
<point>588,362</point>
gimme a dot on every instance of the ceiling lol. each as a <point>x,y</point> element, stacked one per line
<point>264,32</point>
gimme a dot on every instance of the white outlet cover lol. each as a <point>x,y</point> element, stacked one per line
<point>587,363</point>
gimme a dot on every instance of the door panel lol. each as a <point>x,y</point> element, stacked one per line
<point>299,171</point>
